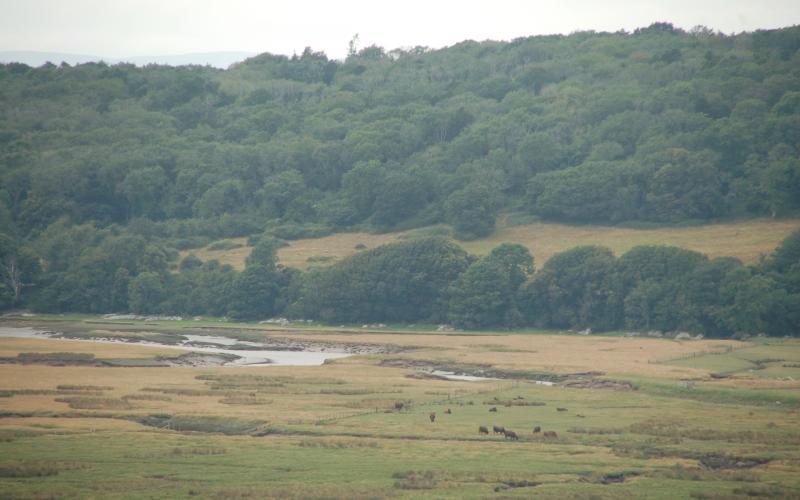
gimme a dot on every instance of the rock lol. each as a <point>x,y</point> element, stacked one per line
<point>632,334</point>
<point>655,333</point>
<point>588,331</point>
<point>683,336</point>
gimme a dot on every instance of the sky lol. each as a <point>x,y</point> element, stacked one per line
<point>124,28</point>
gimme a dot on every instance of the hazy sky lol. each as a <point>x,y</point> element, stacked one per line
<point>119,28</point>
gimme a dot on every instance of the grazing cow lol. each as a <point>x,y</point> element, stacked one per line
<point>493,408</point>
<point>537,429</point>
<point>399,405</point>
<point>433,417</point>
<point>511,435</point>
<point>580,416</point>
<point>561,409</point>
<point>483,430</point>
<point>448,411</point>
<point>550,434</point>
<point>498,430</point>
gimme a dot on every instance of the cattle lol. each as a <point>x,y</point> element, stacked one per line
<point>433,417</point>
<point>448,411</point>
<point>483,430</point>
<point>550,434</point>
<point>537,430</point>
<point>493,408</point>
<point>399,405</point>
<point>498,430</point>
<point>511,435</point>
<point>580,416</point>
<point>561,409</point>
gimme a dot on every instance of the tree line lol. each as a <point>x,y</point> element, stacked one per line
<point>427,280</point>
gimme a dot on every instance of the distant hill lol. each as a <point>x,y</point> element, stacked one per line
<point>215,59</point>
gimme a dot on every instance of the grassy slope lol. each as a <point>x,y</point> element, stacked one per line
<point>747,240</point>
<point>339,440</point>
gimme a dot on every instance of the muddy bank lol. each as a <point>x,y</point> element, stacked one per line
<point>199,359</point>
<point>212,338</point>
<point>203,350</point>
<point>596,383</point>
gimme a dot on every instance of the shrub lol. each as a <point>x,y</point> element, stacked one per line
<point>224,245</point>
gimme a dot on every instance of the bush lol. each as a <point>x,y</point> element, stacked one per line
<point>300,231</point>
<point>224,245</point>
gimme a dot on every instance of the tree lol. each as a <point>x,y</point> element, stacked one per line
<point>405,281</point>
<point>264,253</point>
<point>360,186</point>
<point>685,186</point>
<point>472,211</point>
<point>488,292</point>
<point>146,293</point>
<point>144,190</point>
<point>574,289</point>
<point>253,293</point>
<point>19,268</point>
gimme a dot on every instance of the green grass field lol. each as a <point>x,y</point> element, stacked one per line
<point>334,430</point>
<point>746,240</point>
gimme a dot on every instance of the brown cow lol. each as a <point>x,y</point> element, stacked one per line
<point>399,405</point>
<point>511,435</point>
<point>483,430</point>
<point>498,430</point>
<point>537,429</point>
<point>550,434</point>
<point>448,411</point>
<point>493,408</point>
<point>433,417</point>
<point>561,409</point>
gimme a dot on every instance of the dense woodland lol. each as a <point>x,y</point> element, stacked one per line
<point>107,171</point>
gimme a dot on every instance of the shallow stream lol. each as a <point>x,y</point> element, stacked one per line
<point>211,345</point>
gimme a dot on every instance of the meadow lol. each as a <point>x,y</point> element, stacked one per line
<point>640,417</point>
<point>746,240</point>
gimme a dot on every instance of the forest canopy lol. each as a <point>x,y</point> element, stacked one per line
<point>106,171</point>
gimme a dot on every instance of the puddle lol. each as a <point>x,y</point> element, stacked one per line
<point>455,376</point>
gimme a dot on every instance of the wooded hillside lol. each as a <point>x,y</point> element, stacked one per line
<point>106,172</point>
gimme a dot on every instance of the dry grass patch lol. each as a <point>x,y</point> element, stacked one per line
<point>746,240</point>
<point>232,256</point>
<point>547,353</point>
<point>11,347</point>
